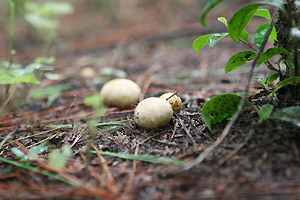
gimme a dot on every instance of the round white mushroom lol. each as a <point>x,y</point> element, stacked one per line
<point>152,113</point>
<point>175,101</point>
<point>120,93</point>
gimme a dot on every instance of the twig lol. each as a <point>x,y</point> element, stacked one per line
<point>226,130</point>
<point>129,185</point>
<point>185,129</point>
<point>221,162</point>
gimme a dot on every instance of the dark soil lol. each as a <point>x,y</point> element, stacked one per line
<point>257,160</point>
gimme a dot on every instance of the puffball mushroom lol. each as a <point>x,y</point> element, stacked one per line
<point>175,101</point>
<point>152,113</point>
<point>120,93</point>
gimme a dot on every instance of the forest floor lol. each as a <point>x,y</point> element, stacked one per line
<point>257,160</point>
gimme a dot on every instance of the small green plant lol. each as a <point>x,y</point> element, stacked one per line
<point>13,77</point>
<point>213,112</point>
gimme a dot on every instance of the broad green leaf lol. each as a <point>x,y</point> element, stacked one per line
<point>260,34</point>
<point>265,111</point>
<point>239,60</point>
<point>285,82</point>
<point>289,114</point>
<point>201,42</point>
<point>270,53</point>
<point>94,100</point>
<point>244,35</point>
<point>263,13</point>
<point>271,78</point>
<point>240,20</point>
<point>145,158</point>
<point>214,39</point>
<point>26,78</point>
<point>219,108</point>
<point>273,35</point>
<point>210,5</point>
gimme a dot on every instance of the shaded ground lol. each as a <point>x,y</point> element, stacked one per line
<point>256,161</point>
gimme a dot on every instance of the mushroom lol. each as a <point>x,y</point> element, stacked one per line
<point>175,101</point>
<point>152,113</point>
<point>120,93</point>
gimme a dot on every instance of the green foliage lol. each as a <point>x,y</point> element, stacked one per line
<point>239,60</point>
<point>50,92</point>
<point>33,151</point>
<point>270,53</point>
<point>265,82</point>
<point>94,100</point>
<point>265,111</point>
<point>240,20</point>
<point>58,159</point>
<point>289,114</point>
<point>210,5</point>
<point>215,38</point>
<point>145,158</point>
<point>285,82</point>
<point>219,108</point>
<point>260,33</point>
<point>201,42</point>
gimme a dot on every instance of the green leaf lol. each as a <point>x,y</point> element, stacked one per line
<point>214,39</point>
<point>219,108</point>
<point>58,159</point>
<point>270,53</point>
<point>289,114</point>
<point>145,158</point>
<point>50,92</point>
<point>19,154</point>
<point>244,36</point>
<point>285,82</point>
<point>223,20</point>
<point>240,20</point>
<point>239,60</point>
<point>201,42</point>
<point>265,111</point>
<point>94,100</point>
<point>38,149</point>
<point>260,34</point>
<point>263,13</point>
<point>26,78</point>
<point>210,5</point>
<point>271,78</point>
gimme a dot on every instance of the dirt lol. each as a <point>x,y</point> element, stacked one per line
<point>257,160</point>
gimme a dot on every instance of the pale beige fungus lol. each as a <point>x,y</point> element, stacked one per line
<point>120,93</point>
<point>152,113</point>
<point>175,101</point>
